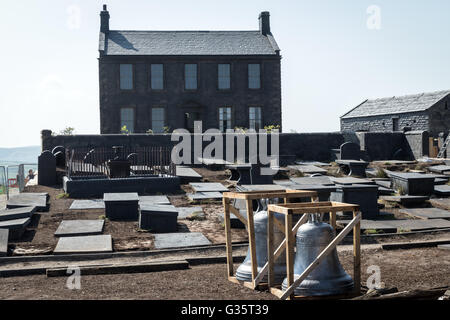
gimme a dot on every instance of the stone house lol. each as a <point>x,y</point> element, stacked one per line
<point>164,80</point>
<point>420,112</point>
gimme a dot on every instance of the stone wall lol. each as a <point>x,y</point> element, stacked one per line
<point>417,121</point>
<point>305,146</point>
<point>418,142</point>
<point>177,101</point>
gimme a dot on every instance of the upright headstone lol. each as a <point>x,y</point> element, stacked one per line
<point>60,154</point>
<point>46,169</point>
<point>350,151</point>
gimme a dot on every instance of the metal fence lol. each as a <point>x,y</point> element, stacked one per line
<point>13,178</point>
<point>93,162</point>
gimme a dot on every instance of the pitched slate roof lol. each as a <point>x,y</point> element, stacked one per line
<point>187,43</point>
<point>394,105</point>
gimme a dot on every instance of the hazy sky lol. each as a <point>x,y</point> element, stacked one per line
<point>335,54</point>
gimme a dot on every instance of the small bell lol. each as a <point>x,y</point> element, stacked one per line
<point>329,277</point>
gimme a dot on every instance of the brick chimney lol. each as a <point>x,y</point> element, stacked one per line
<point>104,20</point>
<point>264,23</point>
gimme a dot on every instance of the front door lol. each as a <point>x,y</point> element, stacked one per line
<point>189,119</point>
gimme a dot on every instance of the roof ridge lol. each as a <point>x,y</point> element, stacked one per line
<point>185,31</point>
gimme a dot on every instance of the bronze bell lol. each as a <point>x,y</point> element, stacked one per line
<point>329,277</point>
<point>244,271</point>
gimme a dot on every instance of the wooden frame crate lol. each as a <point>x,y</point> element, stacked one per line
<point>288,210</point>
<point>249,223</point>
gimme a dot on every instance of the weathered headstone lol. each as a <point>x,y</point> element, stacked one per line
<point>84,244</point>
<point>60,155</point>
<point>350,151</point>
<point>308,169</point>
<point>406,200</point>
<point>121,206</point>
<point>71,228</point>
<point>350,181</point>
<point>158,218</point>
<point>440,169</point>
<point>46,169</point>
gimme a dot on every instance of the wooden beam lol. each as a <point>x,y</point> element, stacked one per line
<point>229,246</point>
<point>290,242</point>
<point>237,213</point>
<point>251,239</point>
<point>357,253</point>
<point>319,259</point>
<point>270,255</point>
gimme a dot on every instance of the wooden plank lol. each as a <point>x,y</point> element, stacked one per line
<point>251,195</point>
<point>320,257</point>
<point>251,238</point>
<point>290,242</point>
<point>279,250</point>
<point>270,257</point>
<point>229,247</point>
<point>278,224</point>
<point>357,253</point>
<point>237,213</point>
<point>333,219</point>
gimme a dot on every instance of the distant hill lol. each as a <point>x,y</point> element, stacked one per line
<point>20,155</point>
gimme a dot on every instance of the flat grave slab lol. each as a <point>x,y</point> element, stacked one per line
<point>184,212</point>
<point>123,196</point>
<point>427,213</point>
<point>385,191</point>
<point>71,228</point>
<point>87,204</point>
<point>444,246</point>
<point>17,213</point>
<point>156,200</point>
<point>285,183</point>
<point>38,200</point>
<point>158,218</point>
<point>204,196</point>
<point>350,181</point>
<point>262,187</point>
<point>16,227</point>
<point>442,190</point>
<point>440,181</point>
<point>208,187</point>
<point>235,223</point>
<point>4,242</point>
<point>180,240</point>
<point>84,244</point>
<point>440,169</point>
<point>187,174</point>
<point>308,169</point>
<point>406,200</point>
<point>384,184</point>
<point>313,163</point>
<point>441,203</point>
<point>325,180</point>
<point>397,225</point>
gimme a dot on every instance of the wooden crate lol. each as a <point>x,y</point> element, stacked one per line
<point>249,223</point>
<point>288,244</point>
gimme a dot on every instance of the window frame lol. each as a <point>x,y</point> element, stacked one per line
<point>231,117</point>
<point>133,109</point>
<point>196,75</point>
<point>261,116</point>
<point>218,77</point>
<point>260,75</point>
<point>164,112</point>
<point>150,79</point>
<point>132,77</point>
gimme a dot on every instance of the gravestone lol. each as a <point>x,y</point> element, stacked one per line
<point>121,206</point>
<point>60,155</point>
<point>324,180</point>
<point>38,200</point>
<point>47,169</point>
<point>70,228</point>
<point>17,213</point>
<point>308,169</point>
<point>198,196</point>
<point>208,187</point>
<point>406,200</point>
<point>323,192</point>
<point>350,181</point>
<point>350,151</point>
<point>87,204</point>
<point>84,244</point>
<point>442,190</point>
<point>156,200</point>
<point>16,227</point>
<point>440,169</point>
<point>240,173</point>
<point>414,184</point>
<point>427,213</point>
<point>4,242</point>
<point>180,240</point>
<point>353,167</point>
<point>366,196</point>
<point>187,174</point>
<point>158,218</point>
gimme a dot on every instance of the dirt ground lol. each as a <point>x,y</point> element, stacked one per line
<point>431,269</point>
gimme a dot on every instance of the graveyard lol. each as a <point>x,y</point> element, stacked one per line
<point>186,234</point>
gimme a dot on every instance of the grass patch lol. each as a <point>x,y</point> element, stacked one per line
<point>62,196</point>
<point>380,173</point>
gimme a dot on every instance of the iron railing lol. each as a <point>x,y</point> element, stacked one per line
<point>93,162</point>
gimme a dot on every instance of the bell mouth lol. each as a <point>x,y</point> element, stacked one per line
<point>325,287</point>
<point>244,273</point>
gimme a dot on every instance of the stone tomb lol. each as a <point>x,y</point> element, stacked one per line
<point>38,200</point>
<point>17,213</point>
<point>16,227</point>
<point>350,151</point>
<point>353,167</point>
<point>180,240</point>
<point>365,196</point>
<point>70,228</point>
<point>84,244</point>
<point>440,169</point>
<point>427,213</point>
<point>323,192</point>
<point>241,173</point>
<point>414,184</point>
<point>121,206</point>
<point>158,218</point>
<point>4,242</point>
<point>406,200</point>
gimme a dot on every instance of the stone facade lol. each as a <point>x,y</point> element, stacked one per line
<point>175,49</point>
<point>435,119</point>
<point>177,101</point>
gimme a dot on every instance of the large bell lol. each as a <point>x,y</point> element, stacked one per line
<point>328,278</point>
<point>244,271</point>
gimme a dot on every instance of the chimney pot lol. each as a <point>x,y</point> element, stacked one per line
<point>264,23</point>
<point>104,20</point>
